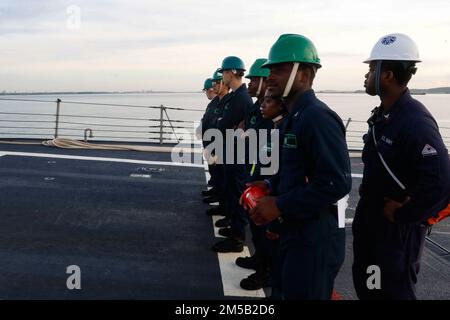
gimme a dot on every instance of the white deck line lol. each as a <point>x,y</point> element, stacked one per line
<point>231,273</point>
<point>70,157</point>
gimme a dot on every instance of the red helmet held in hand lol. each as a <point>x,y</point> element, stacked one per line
<point>252,195</point>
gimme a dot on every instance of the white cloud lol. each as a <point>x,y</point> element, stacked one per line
<point>167,45</point>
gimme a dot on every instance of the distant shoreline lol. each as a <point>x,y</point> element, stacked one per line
<point>87,93</point>
<point>441,90</point>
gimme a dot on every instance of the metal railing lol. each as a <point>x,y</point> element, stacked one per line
<point>142,126</point>
<point>49,119</point>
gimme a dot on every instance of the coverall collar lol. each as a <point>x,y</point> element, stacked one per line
<point>303,100</point>
<point>387,117</point>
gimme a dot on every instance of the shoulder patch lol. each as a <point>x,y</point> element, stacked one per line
<point>428,151</point>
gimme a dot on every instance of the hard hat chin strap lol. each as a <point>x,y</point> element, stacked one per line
<point>278,118</point>
<point>259,86</point>
<point>291,79</point>
<point>378,78</point>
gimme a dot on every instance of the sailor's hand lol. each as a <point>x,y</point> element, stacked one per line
<point>266,210</point>
<point>241,125</point>
<point>390,206</point>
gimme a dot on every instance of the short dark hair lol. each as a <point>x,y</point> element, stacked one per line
<point>402,70</point>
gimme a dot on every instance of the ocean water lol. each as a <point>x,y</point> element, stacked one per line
<point>37,119</point>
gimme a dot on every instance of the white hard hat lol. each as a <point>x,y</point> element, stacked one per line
<point>395,46</point>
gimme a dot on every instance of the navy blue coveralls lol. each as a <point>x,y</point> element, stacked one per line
<point>312,247</point>
<point>233,113</point>
<point>254,120</point>
<point>208,121</point>
<point>408,139</point>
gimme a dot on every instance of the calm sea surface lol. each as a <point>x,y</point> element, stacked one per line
<point>139,122</point>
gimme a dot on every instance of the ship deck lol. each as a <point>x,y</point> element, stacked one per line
<point>135,224</point>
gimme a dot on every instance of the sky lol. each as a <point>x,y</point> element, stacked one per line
<point>174,45</point>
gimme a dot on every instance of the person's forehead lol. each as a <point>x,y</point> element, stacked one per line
<point>281,66</point>
<point>270,96</point>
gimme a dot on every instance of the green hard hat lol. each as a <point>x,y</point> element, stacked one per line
<point>292,48</point>
<point>208,84</point>
<point>232,62</point>
<point>217,76</point>
<point>257,71</point>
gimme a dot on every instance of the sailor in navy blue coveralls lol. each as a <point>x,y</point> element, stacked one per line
<point>409,141</point>
<point>406,176</point>
<point>238,102</point>
<point>209,121</point>
<point>261,259</point>
<point>314,174</point>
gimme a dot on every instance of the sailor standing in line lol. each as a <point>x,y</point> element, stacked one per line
<point>209,93</point>
<point>406,176</point>
<point>216,169</point>
<point>273,108</point>
<point>238,103</point>
<point>254,121</point>
<point>314,174</point>
<point>203,126</point>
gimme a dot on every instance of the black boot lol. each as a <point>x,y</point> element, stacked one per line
<point>211,199</point>
<point>210,192</point>
<point>215,211</point>
<point>255,281</point>
<point>249,262</point>
<point>223,223</point>
<point>226,232</point>
<point>228,245</point>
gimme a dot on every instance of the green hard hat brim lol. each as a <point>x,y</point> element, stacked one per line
<point>222,70</point>
<point>217,76</point>
<point>257,71</point>
<point>207,84</point>
<point>270,63</point>
<point>253,76</point>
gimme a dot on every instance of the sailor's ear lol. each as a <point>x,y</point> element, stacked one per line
<point>388,76</point>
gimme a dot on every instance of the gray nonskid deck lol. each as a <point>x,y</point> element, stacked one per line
<point>136,231</point>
